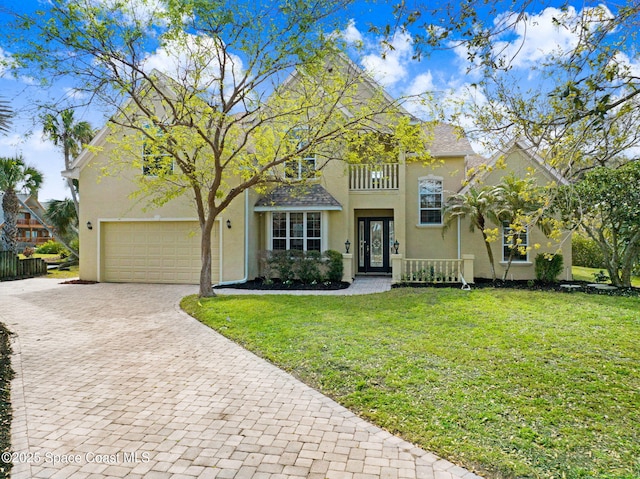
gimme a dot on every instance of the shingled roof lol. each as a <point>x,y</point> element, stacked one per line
<point>298,197</point>
<point>449,141</point>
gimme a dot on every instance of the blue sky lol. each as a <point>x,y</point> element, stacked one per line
<point>444,72</point>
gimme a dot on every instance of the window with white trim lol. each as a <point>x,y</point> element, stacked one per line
<point>300,168</point>
<point>430,201</point>
<point>516,242</point>
<point>301,230</point>
<point>155,162</point>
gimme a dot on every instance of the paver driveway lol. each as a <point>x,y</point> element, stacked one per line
<point>113,380</point>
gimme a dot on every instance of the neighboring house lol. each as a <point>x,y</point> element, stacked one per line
<point>373,208</point>
<point>33,230</point>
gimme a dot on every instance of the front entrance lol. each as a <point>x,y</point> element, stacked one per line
<point>375,240</point>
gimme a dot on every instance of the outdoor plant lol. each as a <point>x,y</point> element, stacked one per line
<point>600,277</point>
<point>307,267</point>
<point>548,268</point>
<point>334,266</point>
<point>50,247</point>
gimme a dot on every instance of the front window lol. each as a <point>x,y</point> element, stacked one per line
<point>430,192</point>
<point>154,162</point>
<point>514,243</point>
<point>300,168</point>
<point>296,230</point>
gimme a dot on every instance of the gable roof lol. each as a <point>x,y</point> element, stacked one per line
<point>449,141</point>
<point>298,197</point>
<point>515,145</point>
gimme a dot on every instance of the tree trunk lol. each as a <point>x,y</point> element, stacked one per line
<point>490,254</point>
<point>206,286</point>
<point>11,208</point>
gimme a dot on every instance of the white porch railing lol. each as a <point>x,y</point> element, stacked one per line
<point>373,177</point>
<point>432,270</point>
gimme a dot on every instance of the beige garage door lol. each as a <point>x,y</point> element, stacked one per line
<point>154,252</point>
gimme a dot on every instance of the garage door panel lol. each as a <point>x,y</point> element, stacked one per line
<point>154,252</point>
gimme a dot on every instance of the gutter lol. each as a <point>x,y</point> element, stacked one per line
<point>246,246</point>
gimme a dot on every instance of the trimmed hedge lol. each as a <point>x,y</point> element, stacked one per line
<point>308,267</point>
<point>586,252</point>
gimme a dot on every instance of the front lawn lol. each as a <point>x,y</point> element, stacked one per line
<point>580,273</point>
<point>507,383</point>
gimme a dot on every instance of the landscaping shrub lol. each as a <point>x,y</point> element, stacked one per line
<point>307,267</point>
<point>548,268</point>
<point>334,266</point>
<point>585,252</point>
<point>282,263</point>
<point>50,247</point>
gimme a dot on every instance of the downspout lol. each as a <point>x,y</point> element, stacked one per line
<point>459,240</point>
<point>246,246</point>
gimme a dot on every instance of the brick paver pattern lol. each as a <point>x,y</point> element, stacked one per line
<point>114,380</point>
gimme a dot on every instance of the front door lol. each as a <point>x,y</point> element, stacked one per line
<point>375,239</point>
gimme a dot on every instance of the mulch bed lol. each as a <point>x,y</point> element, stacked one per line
<point>580,286</point>
<point>6,375</point>
<point>277,285</point>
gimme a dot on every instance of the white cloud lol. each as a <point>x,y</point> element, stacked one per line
<point>41,154</point>
<point>195,60</point>
<point>141,12</point>
<point>351,34</point>
<point>531,38</point>
<point>389,64</point>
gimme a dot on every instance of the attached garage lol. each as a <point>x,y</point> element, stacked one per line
<point>154,252</point>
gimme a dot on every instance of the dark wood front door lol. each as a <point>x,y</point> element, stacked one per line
<point>375,237</point>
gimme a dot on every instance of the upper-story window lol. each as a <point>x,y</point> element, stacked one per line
<point>155,162</point>
<point>430,200</point>
<point>515,243</point>
<point>300,168</point>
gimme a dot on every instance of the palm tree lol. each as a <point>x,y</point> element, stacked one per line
<point>62,215</point>
<point>15,175</point>
<point>522,204</point>
<point>70,135</point>
<point>479,205</point>
<point>5,116</point>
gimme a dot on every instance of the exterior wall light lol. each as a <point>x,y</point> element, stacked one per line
<point>347,245</point>
<point>396,245</point>
<point>89,225</point>
<point>229,224</point>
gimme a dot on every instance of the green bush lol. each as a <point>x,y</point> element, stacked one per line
<point>548,268</point>
<point>307,267</point>
<point>50,247</point>
<point>334,266</point>
<point>586,252</point>
<point>282,263</point>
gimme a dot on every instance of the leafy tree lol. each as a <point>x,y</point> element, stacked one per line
<point>522,205</point>
<point>215,122</point>
<point>606,205</point>
<point>15,176</point>
<point>64,131</point>
<point>583,110</point>
<point>479,205</point>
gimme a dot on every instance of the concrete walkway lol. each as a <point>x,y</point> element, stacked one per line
<point>113,380</point>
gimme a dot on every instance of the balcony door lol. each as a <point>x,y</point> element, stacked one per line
<point>375,239</point>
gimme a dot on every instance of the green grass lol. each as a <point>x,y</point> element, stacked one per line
<point>581,273</point>
<point>508,383</point>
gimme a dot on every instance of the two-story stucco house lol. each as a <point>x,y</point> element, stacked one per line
<point>385,215</point>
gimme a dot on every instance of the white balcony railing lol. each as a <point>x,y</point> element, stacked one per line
<point>432,270</point>
<point>373,177</point>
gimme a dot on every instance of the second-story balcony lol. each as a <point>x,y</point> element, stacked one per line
<point>28,222</point>
<point>374,177</point>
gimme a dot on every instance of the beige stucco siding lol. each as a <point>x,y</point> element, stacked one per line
<point>107,199</point>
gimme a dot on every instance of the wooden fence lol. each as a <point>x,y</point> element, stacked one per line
<point>12,267</point>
